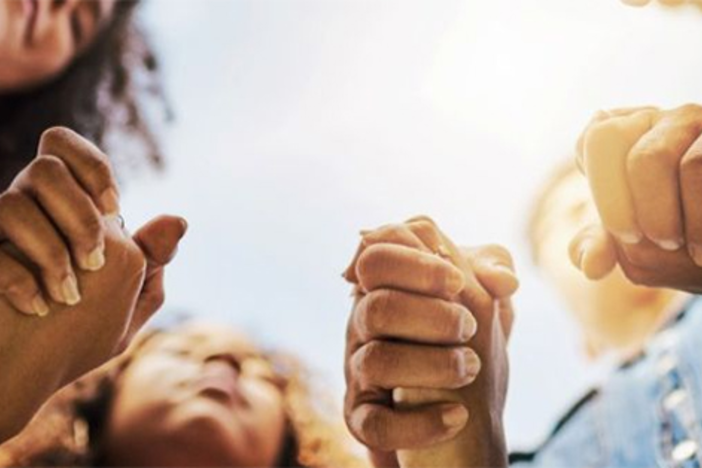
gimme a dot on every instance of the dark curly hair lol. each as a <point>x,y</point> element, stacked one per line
<point>104,95</point>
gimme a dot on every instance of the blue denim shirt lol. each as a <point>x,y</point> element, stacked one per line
<point>647,414</point>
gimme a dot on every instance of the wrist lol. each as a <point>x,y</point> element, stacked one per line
<point>485,438</point>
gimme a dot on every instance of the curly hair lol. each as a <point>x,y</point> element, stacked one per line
<point>68,431</point>
<point>103,95</point>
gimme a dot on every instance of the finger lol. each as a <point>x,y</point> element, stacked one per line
<point>20,288</point>
<point>388,314</point>
<point>691,190</point>
<point>69,207</point>
<point>607,146</point>
<point>398,234</point>
<point>381,428</point>
<point>653,166</point>
<point>89,165</point>
<point>427,231</point>
<point>494,268</point>
<point>159,239</point>
<point>593,251</point>
<point>388,365</point>
<point>601,116</point>
<point>636,3</point>
<point>388,266</point>
<point>25,225</point>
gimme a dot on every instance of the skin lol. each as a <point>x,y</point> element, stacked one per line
<point>413,326</point>
<point>643,167</point>
<point>613,313</point>
<point>54,212</point>
<point>40,38</point>
<point>115,299</point>
<point>202,396</point>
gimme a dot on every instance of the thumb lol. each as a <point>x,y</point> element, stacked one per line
<point>593,251</point>
<point>158,240</point>
<point>494,268</point>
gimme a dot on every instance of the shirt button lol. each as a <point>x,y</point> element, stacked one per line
<point>685,450</point>
<point>674,399</point>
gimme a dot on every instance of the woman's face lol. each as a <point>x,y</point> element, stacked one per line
<point>200,397</point>
<point>40,38</point>
<point>613,313</point>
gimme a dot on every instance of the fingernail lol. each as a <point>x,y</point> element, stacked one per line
<point>696,253</point>
<point>469,365</point>
<point>582,252</point>
<point>670,245</point>
<point>185,226</point>
<point>455,282</point>
<point>96,259</point>
<point>69,288</point>
<point>629,237</point>
<point>469,327</point>
<point>454,416</point>
<point>39,306</point>
<point>443,251</point>
<point>109,199</point>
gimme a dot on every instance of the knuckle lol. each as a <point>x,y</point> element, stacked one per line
<point>423,219</point>
<point>373,428</point>
<point>691,164</point>
<point>12,201</point>
<point>596,134</point>
<point>370,260</point>
<point>365,361</point>
<point>45,168</point>
<point>57,260</point>
<point>374,315</point>
<point>691,110</point>
<point>500,253</point>
<point>19,285</point>
<point>91,228</point>
<point>100,169</point>
<point>55,135</point>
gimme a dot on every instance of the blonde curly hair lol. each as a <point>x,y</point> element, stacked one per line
<point>67,431</point>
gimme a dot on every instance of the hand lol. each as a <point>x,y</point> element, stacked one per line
<point>644,168</point>
<point>53,215</point>
<point>38,357</point>
<point>414,316</point>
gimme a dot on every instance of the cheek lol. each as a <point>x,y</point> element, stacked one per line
<point>267,419</point>
<point>27,68</point>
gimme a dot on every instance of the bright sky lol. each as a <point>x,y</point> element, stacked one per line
<point>302,121</point>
